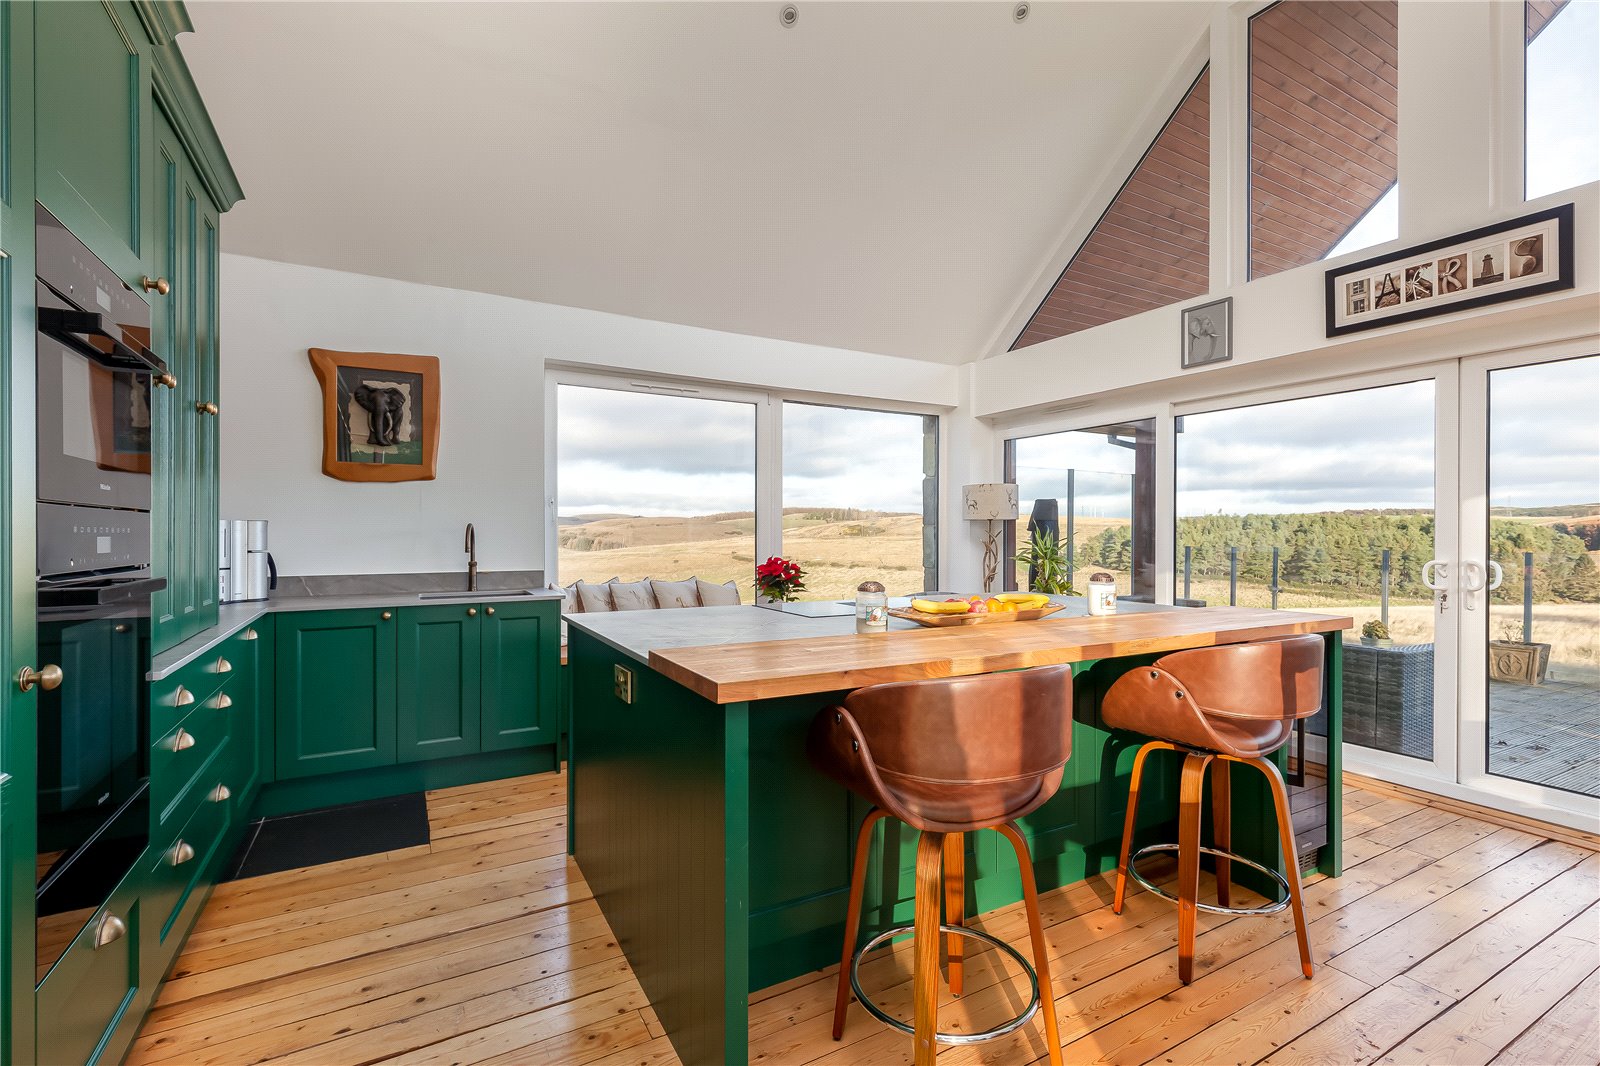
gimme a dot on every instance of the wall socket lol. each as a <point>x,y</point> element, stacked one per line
<point>622,683</point>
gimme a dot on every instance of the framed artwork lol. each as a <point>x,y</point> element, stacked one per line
<point>1208,333</point>
<point>380,415</point>
<point>1507,261</point>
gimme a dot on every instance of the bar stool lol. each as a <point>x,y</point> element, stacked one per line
<point>948,756</point>
<point>1235,703</point>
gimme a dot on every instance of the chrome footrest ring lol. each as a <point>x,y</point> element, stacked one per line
<point>948,1038</point>
<point>1268,908</point>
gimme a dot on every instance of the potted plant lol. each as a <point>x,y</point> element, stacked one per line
<point>1047,559</point>
<point>1376,632</point>
<point>1516,659</point>
<point>780,580</point>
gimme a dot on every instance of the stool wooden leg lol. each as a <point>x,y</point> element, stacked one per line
<point>852,917</point>
<point>1291,857</point>
<point>955,889</point>
<point>1222,827</point>
<point>1041,950</point>
<point>1191,793</point>
<point>925,980</point>
<point>1131,818</point>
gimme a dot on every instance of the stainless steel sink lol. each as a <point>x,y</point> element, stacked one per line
<point>503,594</point>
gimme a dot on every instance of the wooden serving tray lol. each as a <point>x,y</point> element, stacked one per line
<point>937,621</point>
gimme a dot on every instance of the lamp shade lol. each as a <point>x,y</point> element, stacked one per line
<point>990,502</point>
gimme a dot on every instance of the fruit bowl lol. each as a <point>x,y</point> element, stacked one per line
<point>956,612</point>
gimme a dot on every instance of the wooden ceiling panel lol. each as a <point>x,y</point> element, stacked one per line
<point>1324,122</point>
<point>1152,246</point>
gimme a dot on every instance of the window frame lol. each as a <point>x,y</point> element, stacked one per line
<point>768,404</point>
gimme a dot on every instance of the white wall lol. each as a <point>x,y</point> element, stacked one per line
<point>491,456</point>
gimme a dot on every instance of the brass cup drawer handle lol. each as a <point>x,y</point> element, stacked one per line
<point>250,634</point>
<point>110,930</point>
<point>182,740</point>
<point>46,677</point>
<point>222,666</point>
<point>221,794</point>
<point>180,853</point>
<point>223,701</point>
<point>183,697</point>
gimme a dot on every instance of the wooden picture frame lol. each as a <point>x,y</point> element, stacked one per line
<point>1511,260</point>
<point>380,415</point>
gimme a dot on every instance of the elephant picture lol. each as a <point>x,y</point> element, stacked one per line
<point>380,415</point>
<point>384,406</point>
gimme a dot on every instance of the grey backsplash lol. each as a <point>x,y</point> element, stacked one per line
<point>379,584</point>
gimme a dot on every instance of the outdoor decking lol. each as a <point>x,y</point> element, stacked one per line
<point>1548,734</point>
<point>1448,940</point>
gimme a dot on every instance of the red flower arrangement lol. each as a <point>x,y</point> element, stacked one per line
<point>780,579</point>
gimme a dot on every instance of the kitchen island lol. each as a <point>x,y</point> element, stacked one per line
<point>721,859</point>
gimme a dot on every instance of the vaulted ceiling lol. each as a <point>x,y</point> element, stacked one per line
<point>886,177</point>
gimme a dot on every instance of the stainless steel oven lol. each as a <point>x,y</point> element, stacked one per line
<point>95,583</point>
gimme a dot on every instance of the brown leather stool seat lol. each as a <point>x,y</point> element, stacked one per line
<point>1222,705</point>
<point>948,756</point>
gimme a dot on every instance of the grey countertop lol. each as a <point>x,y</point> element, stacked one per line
<point>638,633</point>
<point>232,617</point>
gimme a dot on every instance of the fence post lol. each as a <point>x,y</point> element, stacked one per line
<point>1072,510</point>
<point>1188,561</point>
<point>1384,590</point>
<point>1274,579</point>
<point>1527,597</point>
<point>1233,576</point>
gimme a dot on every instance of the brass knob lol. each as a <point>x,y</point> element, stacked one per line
<point>110,930</point>
<point>181,853</point>
<point>160,285</point>
<point>488,610</point>
<point>386,616</point>
<point>207,408</point>
<point>121,627</point>
<point>46,677</point>
<point>223,667</point>
<point>168,380</point>
<point>182,740</point>
<point>472,612</point>
<point>182,698</point>
<point>220,794</point>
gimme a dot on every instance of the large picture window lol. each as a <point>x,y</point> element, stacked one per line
<point>1324,130</point>
<point>1562,120</point>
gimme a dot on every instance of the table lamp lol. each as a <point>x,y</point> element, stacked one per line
<point>990,503</point>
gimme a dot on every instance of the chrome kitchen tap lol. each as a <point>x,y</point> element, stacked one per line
<point>472,559</point>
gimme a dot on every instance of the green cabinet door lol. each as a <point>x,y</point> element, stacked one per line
<point>335,679</point>
<point>521,680</point>
<point>205,411</point>
<point>169,535</point>
<point>438,681</point>
<point>91,94</point>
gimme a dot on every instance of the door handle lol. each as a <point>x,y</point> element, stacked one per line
<point>1436,574</point>
<point>1499,575</point>
<point>46,677</point>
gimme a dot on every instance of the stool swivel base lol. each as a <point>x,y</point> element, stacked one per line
<point>1191,791</point>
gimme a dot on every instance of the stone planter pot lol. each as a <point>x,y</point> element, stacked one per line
<point>1518,663</point>
<point>1377,642</point>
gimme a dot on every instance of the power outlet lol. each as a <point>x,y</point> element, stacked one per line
<point>622,683</point>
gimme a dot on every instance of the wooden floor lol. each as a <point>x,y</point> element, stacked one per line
<point>1448,940</point>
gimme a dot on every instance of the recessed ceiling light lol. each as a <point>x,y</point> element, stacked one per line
<point>788,15</point>
<point>1020,12</point>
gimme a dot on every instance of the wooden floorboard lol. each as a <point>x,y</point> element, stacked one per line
<point>1449,939</point>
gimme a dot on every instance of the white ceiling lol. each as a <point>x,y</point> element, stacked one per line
<point>886,177</point>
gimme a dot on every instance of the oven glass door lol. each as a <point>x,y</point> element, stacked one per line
<point>93,743</point>
<point>94,424</point>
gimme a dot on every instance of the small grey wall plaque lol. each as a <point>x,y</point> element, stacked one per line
<point>1208,333</point>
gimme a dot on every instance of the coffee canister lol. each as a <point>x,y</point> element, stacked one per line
<point>872,608</point>
<point>1102,594</point>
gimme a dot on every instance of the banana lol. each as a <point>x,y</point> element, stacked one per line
<point>940,606</point>
<point>1031,600</point>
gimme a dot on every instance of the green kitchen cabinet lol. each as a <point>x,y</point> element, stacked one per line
<point>521,705</point>
<point>335,679</point>
<point>439,678</point>
<point>184,513</point>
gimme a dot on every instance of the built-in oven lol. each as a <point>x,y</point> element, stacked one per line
<point>94,436</point>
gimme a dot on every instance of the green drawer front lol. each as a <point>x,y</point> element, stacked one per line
<point>177,866</point>
<point>87,992</point>
<point>175,696</point>
<point>178,759</point>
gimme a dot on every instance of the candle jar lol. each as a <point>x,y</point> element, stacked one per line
<point>1102,594</point>
<point>872,608</point>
